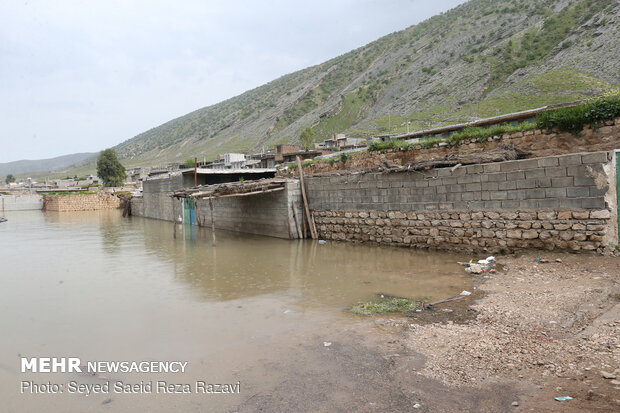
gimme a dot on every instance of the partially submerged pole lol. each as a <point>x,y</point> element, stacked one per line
<point>297,226</point>
<point>304,199</point>
<point>212,220</point>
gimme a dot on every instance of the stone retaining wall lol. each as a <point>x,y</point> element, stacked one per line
<point>80,202</point>
<point>556,202</point>
<point>469,231</point>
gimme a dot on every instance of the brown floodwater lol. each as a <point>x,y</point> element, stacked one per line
<point>101,287</point>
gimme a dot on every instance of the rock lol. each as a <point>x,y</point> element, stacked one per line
<point>602,214</point>
<point>515,404</point>
<point>607,375</point>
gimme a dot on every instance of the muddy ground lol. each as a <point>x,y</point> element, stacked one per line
<point>531,331</point>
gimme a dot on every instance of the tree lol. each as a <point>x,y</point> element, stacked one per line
<point>9,178</point>
<point>109,169</point>
<point>307,138</point>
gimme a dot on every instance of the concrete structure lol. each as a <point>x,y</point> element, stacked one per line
<point>557,202</point>
<point>209,176</point>
<point>20,202</point>
<point>80,202</point>
<point>271,214</point>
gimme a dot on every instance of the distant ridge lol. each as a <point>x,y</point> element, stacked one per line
<point>43,165</point>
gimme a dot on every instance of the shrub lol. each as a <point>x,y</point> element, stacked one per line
<point>574,119</point>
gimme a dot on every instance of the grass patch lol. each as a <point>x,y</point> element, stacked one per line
<point>385,305</point>
<point>391,144</point>
<point>67,193</point>
<point>574,119</point>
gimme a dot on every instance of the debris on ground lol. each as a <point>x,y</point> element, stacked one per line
<point>482,266</point>
<point>563,398</point>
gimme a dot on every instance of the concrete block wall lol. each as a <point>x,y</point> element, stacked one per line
<point>22,202</point>
<point>269,214</point>
<point>80,202</point>
<point>156,201</point>
<point>541,202</point>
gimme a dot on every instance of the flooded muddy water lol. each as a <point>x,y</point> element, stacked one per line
<point>257,311</point>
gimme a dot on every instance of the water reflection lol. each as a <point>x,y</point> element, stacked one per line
<point>334,274</point>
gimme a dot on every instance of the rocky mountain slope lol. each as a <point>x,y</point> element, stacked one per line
<point>480,59</point>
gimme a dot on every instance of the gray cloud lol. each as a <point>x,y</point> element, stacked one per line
<point>81,76</point>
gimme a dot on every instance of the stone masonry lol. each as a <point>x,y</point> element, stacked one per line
<point>558,202</point>
<point>80,202</point>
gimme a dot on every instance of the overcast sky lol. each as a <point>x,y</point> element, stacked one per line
<point>81,76</point>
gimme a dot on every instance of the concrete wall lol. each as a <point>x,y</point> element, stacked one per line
<point>20,202</point>
<point>556,202</point>
<point>156,201</point>
<point>268,214</point>
<point>80,202</point>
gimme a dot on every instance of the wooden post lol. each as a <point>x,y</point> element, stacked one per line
<point>195,172</point>
<point>197,213</point>
<point>304,199</point>
<point>299,234</point>
<point>212,220</point>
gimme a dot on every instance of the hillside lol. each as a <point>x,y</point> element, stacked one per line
<point>480,59</point>
<point>44,165</point>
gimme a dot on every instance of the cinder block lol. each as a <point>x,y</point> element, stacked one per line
<point>511,204</point>
<point>516,194</point>
<point>550,161</point>
<point>516,175</point>
<point>492,204</point>
<point>491,167</point>
<point>578,170</point>
<point>595,157</point>
<point>495,195</point>
<point>527,184</point>
<point>555,171</point>
<point>578,192</point>
<point>504,186</point>
<point>548,203</point>
<point>570,203</point>
<point>465,179</point>
<point>527,164</point>
<point>534,193</point>
<point>473,187</point>
<point>544,182</point>
<point>474,169</point>
<point>580,181</point>
<point>596,192</point>
<point>570,160</point>
<point>497,177</point>
<point>562,182</point>
<point>528,204</point>
<point>555,192</point>
<point>509,166</point>
<point>535,173</point>
<point>593,203</point>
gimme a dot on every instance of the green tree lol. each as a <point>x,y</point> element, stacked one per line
<point>9,178</point>
<point>109,169</point>
<point>307,138</point>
